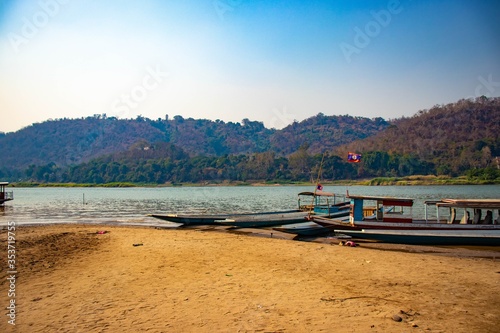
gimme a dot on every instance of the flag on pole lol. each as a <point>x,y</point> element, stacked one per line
<point>319,187</point>
<point>353,157</point>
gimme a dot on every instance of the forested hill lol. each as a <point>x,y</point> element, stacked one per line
<point>454,138</point>
<point>323,133</point>
<point>73,141</point>
<point>461,138</point>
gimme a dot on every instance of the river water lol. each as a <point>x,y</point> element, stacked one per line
<point>131,205</point>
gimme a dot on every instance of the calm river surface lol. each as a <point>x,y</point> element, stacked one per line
<point>131,205</point>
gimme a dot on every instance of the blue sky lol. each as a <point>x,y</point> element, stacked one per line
<point>271,61</point>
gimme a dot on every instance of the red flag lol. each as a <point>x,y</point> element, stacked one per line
<point>353,157</point>
<point>319,187</point>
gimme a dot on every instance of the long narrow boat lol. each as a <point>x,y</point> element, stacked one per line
<point>477,222</point>
<point>309,203</point>
<point>188,219</point>
<point>260,221</point>
<point>5,195</point>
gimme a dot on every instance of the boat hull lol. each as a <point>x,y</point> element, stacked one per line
<point>428,237</point>
<point>186,219</point>
<point>305,229</point>
<point>260,221</point>
<point>215,219</point>
<point>415,225</point>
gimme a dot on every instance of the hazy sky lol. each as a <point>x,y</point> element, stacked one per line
<point>271,61</point>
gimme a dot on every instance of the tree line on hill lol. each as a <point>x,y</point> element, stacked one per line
<point>165,163</point>
<point>461,138</point>
<point>73,141</point>
<point>256,167</point>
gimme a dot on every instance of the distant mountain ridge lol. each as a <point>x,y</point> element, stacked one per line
<point>453,139</point>
<point>73,141</point>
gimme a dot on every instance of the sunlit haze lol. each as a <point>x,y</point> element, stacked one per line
<point>270,61</point>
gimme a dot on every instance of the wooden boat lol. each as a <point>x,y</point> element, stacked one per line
<point>187,219</point>
<point>400,217</point>
<point>5,195</point>
<point>399,226</point>
<point>309,203</point>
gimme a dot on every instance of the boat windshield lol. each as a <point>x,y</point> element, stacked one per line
<point>386,209</point>
<point>310,200</point>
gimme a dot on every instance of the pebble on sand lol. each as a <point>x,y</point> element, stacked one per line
<point>397,318</point>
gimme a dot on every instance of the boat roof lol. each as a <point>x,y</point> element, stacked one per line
<point>4,183</point>
<point>369,197</point>
<point>470,203</point>
<point>318,193</point>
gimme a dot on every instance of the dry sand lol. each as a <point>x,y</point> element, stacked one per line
<point>71,279</point>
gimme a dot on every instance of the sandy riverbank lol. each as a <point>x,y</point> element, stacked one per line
<point>71,279</point>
